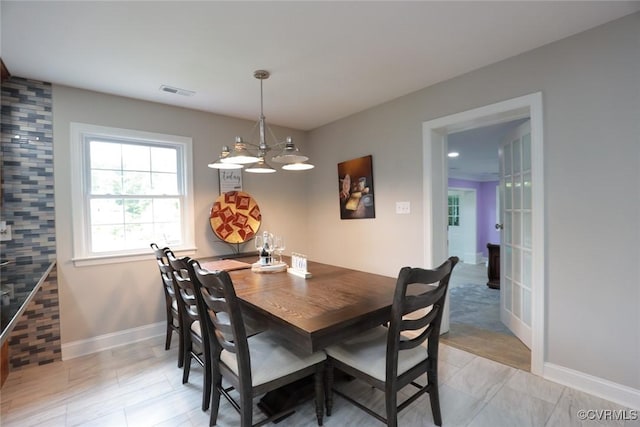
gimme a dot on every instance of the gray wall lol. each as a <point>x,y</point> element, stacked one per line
<point>590,86</point>
<point>591,99</point>
<point>108,298</point>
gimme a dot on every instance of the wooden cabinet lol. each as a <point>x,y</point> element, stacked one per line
<point>493,269</point>
<point>4,73</point>
<point>4,362</point>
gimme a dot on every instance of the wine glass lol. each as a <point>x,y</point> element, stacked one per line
<point>269,246</point>
<point>258,243</point>
<point>279,246</point>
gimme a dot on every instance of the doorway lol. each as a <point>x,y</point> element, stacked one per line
<point>462,212</point>
<point>435,196</point>
<point>476,309</point>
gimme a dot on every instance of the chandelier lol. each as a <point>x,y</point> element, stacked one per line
<point>252,157</point>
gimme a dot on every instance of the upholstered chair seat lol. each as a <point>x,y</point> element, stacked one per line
<point>270,360</point>
<point>367,353</point>
<point>195,327</point>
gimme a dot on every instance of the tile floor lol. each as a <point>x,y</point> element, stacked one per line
<point>140,385</point>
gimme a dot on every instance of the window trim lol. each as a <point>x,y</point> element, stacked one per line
<point>81,253</point>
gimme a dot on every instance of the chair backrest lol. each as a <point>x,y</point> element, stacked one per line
<point>185,290</point>
<point>224,316</point>
<point>159,252</point>
<point>165,271</point>
<point>410,296</point>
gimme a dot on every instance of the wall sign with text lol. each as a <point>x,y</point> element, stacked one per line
<point>230,180</point>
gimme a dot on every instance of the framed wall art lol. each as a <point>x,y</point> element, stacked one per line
<point>230,180</point>
<point>355,188</point>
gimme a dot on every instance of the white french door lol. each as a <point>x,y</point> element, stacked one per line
<point>516,237</point>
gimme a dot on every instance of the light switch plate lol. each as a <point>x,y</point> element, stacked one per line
<point>403,207</point>
<point>5,231</point>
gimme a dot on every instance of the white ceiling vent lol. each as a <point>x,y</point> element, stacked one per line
<point>177,91</point>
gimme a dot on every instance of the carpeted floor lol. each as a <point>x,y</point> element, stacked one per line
<point>475,319</point>
<point>476,305</point>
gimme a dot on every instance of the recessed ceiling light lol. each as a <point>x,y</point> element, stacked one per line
<point>453,154</point>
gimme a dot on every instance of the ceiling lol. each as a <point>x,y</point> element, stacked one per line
<point>478,149</point>
<point>327,60</point>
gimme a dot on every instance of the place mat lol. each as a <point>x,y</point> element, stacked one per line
<point>225,264</point>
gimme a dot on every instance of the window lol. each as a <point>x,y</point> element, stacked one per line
<point>454,211</point>
<point>129,188</point>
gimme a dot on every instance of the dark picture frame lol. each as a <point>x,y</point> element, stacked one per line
<point>355,188</point>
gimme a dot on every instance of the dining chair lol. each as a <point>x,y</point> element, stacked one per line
<point>171,304</point>
<point>192,333</point>
<point>251,365</point>
<point>394,356</point>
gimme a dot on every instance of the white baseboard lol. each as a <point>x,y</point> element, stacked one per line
<point>617,393</point>
<point>478,257</point>
<point>472,258</point>
<point>116,339</point>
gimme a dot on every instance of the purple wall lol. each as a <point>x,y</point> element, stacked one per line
<point>487,232</point>
<point>486,214</point>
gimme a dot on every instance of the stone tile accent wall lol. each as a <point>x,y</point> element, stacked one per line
<point>27,169</point>
<point>26,132</point>
<point>36,337</point>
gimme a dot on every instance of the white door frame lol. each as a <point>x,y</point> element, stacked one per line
<point>434,143</point>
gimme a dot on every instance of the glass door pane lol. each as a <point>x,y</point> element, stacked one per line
<point>517,235</point>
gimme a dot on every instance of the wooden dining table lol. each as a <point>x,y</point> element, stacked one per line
<point>310,314</point>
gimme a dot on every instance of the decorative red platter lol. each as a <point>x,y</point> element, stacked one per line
<point>235,217</point>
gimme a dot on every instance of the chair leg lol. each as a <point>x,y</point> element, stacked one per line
<point>318,380</point>
<point>391,403</point>
<point>206,391</point>
<point>167,341</point>
<point>180,349</point>
<point>215,397</point>
<point>328,388</point>
<point>246,408</point>
<point>434,396</point>
<point>186,368</point>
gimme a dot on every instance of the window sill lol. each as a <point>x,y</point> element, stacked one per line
<point>120,258</point>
